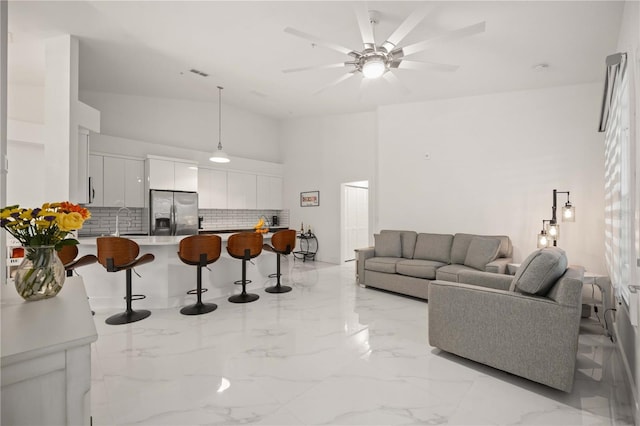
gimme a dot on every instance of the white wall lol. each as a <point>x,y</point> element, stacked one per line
<point>495,161</point>
<point>320,154</point>
<point>187,124</point>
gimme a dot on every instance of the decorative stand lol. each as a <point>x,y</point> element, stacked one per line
<point>308,247</point>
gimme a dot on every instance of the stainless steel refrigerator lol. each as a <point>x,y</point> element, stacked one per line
<point>173,212</point>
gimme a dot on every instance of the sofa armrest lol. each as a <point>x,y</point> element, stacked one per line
<point>362,254</point>
<point>498,266</point>
<point>486,279</point>
<point>529,336</point>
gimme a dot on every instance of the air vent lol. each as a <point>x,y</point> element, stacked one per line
<point>200,73</point>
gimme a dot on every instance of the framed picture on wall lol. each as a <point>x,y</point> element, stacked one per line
<point>310,199</point>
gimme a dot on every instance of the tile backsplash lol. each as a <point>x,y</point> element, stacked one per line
<point>239,219</point>
<point>103,220</point>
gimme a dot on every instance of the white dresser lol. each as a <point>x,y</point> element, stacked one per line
<point>46,357</point>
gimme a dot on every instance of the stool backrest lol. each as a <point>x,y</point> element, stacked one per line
<point>67,254</point>
<point>192,247</point>
<point>284,241</point>
<point>121,250</point>
<point>238,243</point>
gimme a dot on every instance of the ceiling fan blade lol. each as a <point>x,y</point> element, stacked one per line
<point>318,67</point>
<point>405,28</point>
<point>320,42</point>
<point>450,36</point>
<point>335,82</point>
<point>393,80</point>
<point>420,65</point>
<point>364,22</point>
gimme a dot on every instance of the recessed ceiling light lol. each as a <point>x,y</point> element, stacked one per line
<point>541,67</point>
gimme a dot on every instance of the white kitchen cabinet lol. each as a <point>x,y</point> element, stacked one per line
<point>133,183</point>
<point>82,188</point>
<point>172,175</point>
<point>204,188</point>
<point>113,182</point>
<point>161,174</point>
<point>269,192</point>
<point>218,189</point>
<point>241,190</point>
<point>185,176</point>
<point>96,179</point>
<point>212,189</point>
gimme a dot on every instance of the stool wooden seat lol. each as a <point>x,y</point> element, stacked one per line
<point>200,251</point>
<point>67,255</point>
<point>282,243</point>
<point>245,246</point>
<point>120,254</point>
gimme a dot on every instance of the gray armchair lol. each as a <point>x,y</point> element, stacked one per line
<point>526,325</point>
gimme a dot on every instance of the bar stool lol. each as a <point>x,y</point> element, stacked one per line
<point>282,243</point>
<point>67,255</point>
<point>199,250</point>
<point>117,254</point>
<point>245,246</point>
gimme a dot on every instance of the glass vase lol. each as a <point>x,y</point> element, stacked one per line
<point>41,273</point>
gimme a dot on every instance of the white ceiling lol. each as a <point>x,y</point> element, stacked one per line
<point>147,47</point>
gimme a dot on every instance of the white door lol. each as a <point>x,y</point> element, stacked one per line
<point>356,220</point>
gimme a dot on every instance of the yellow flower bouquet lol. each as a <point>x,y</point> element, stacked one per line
<point>42,231</point>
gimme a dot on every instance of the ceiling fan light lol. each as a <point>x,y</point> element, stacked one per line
<point>373,67</point>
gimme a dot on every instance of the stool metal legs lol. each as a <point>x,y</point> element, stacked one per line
<point>199,307</point>
<point>129,315</point>
<point>278,288</point>
<point>243,297</point>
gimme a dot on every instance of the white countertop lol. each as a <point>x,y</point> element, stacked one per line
<point>160,240</point>
<point>33,329</point>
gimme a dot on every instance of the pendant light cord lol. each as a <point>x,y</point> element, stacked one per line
<point>220,117</point>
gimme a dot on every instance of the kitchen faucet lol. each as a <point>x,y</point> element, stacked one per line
<point>117,233</point>
<point>266,221</point>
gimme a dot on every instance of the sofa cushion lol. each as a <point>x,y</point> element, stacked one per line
<point>461,245</point>
<point>451,272</point>
<point>435,247</point>
<point>407,241</point>
<point>382,264</point>
<point>539,271</point>
<point>387,245</point>
<point>418,268</point>
<point>481,251</point>
<point>459,248</point>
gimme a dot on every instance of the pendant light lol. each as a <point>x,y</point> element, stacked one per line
<point>219,156</point>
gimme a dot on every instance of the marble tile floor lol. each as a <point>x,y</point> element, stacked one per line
<point>329,352</point>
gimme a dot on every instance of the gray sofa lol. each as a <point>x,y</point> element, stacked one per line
<point>527,325</point>
<point>406,262</point>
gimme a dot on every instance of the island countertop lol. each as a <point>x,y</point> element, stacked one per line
<point>160,240</point>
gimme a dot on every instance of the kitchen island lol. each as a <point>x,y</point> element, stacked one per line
<point>166,280</point>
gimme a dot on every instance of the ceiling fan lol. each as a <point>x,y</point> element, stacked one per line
<point>378,60</point>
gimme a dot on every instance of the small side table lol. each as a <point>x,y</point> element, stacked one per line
<point>308,247</point>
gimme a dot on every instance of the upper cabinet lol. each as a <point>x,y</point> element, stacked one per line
<point>212,189</point>
<point>241,190</point>
<point>172,175</point>
<point>269,196</point>
<point>116,181</point>
<point>218,189</point>
<point>96,179</point>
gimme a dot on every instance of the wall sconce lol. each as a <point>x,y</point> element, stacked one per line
<point>551,231</point>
